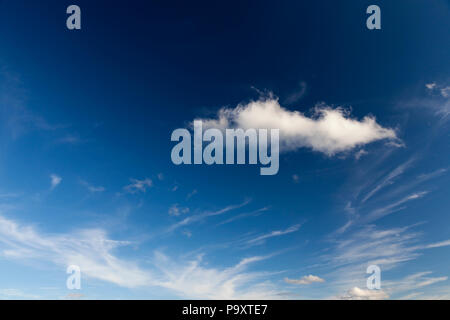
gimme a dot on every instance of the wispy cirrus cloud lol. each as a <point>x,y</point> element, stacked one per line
<point>440,89</point>
<point>191,194</point>
<point>437,245</point>
<point>357,293</point>
<point>393,207</point>
<point>91,188</point>
<point>276,233</point>
<point>176,210</point>
<point>16,117</point>
<point>430,175</point>
<point>437,100</point>
<point>94,252</point>
<point>387,248</point>
<point>389,179</point>
<point>360,154</point>
<point>404,288</point>
<point>371,245</point>
<point>193,280</point>
<point>12,294</point>
<point>90,249</point>
<point>137,185</point>
<point>413,282</point>
<point>296,96</point>
<point>305,280</point>
<point>204,215</point>
<point>245,215</point>
<point>69,139</point>
<point>391,192</point>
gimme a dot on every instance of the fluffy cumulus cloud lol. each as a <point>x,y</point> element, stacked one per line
<point>304,280</point>
<point>329,130</point>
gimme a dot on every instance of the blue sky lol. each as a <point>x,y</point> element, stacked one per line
<point>86,176</point>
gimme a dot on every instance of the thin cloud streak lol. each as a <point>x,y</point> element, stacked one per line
<point>202,216</point>
<point>389,179</point>
<point>244,215</point>
<point>272,234</point>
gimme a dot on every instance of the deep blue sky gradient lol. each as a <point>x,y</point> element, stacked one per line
<point>109,96</point>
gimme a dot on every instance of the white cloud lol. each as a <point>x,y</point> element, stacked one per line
<point>356,293</point>
<point>245,215</point>
<point>93,252</point>
<point>387,248</point>
<point>15,117</point>
<point>296,96</point>
<point>55,180</point>
<point>92,188</point>
<point>412,282</point>
<point>96,189</point>
<point>192,280</point>
<point>370,245</point>
<point>430,86</point>
<point>305,280</point>
<point>360,153</point>
<point>440,98</point>
<point>393,207</point>
<point>175,210</point>
<point>389,178</point>
<point>201,216</point>
<point>69,139</point>
<point>90,249</point>
<point>431,281</point>
<point>438,244</point>
<point>445,92</point>
<point>329,131</point>
<point>187,233</point>
<point>434,87</point>
<point>398,196</point>
<point>16,294</point>
<point>431,175</point>
<point>138,185</point>
<point>411,296</point>
<point>277,233</point>
<point>191,194</point>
